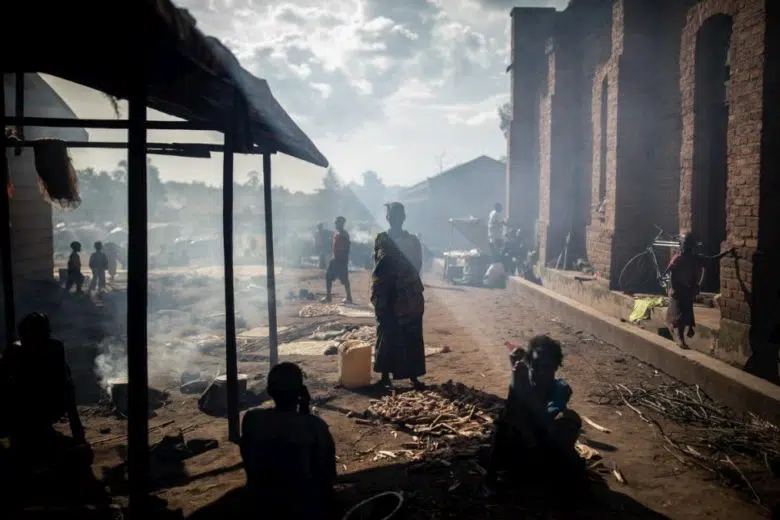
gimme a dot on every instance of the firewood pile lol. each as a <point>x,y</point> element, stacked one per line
<point>451,420</point>
<point>725,443</point>
<point>366,333</point>
<point>315,310</point>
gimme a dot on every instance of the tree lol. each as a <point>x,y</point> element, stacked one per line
<point>372,181</point>
<point>120,173</point>
<point>331,181</point>
<point>505,118</point>
<point>155,189</point>
<point>329,196</point>
<point>253,180</point>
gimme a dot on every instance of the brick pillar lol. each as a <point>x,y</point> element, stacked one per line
<point>750,151</point>
<point>560,127</point>
<point>635,182</point>
<point>530,28</point>
<point>600,231</point>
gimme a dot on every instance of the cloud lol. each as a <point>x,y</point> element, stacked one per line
<point>349,69</point>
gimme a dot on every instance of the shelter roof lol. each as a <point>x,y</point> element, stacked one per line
<point>41,101</point>
<point>94,43</point>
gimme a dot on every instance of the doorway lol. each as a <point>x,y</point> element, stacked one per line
<point>710,153</point>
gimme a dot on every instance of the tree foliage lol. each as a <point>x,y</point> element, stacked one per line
<point>505,118</point>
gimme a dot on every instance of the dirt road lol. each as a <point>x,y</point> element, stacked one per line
<point>474,323</point>
<point>480,320</point>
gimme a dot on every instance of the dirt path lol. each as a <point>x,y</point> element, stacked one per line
<point>482,319</point>
<point>474,324</point>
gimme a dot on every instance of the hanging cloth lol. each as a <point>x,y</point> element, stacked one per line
<point>57,178</point>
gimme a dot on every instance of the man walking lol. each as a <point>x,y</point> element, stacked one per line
<point>338,268</point>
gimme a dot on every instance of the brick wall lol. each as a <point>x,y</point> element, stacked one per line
<point>545,154</point>
<point>744,140</point>
<point>602,225</point>
<point>530,30</point>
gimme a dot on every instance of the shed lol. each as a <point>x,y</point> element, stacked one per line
<point>467,189</point>
<point>31,215</point>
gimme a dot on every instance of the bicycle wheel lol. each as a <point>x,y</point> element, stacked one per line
<point>638,274</point>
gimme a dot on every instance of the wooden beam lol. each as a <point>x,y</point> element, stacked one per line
<point>273,338</point>
<point>109,124</point>
<point>137,352</point>
<point>231,349</point>
<point>5,239</point>
<point>19,108</point>
<point>196,149</point>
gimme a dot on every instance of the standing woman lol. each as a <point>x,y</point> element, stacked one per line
<point>397,296</point>
<point>686,271</point>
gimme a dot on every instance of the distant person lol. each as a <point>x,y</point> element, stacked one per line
<point>495,231</point>
<point>36,389</point>
<point>427,255</point>
<point>75,276</point>
<point>338,268</point>
<point>536,432</point>
<point>289,455</point>
<point>114,256</point>
<point>322,244</point>
<point>399,305</point>
<point>98,263</point>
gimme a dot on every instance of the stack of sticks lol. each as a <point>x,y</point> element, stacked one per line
<point>451,419</point>
<point>712,436</point>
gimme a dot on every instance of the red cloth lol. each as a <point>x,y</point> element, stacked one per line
<point>341,246</point>
<point>685,271</point>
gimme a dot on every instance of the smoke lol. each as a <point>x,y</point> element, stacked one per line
<point>186,319</point>
<point>173,346</point>
<point>186,292</point>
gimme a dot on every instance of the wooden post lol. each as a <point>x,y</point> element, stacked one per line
<point>273,338</point>
<point>19,91</point>
<point>5,238</point>
<point>137,360</point>
<point>231,354</point>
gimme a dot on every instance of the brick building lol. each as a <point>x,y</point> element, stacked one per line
<point>628,114</point>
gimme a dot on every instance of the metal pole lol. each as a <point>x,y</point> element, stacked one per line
<point>5,238</point>
<point>231,354</point>
<point>137,360</point>
<point>273,339</point>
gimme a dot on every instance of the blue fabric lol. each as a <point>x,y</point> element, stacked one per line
<point>559,397</point>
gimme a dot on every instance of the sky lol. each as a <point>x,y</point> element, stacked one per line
<point>401,87</point>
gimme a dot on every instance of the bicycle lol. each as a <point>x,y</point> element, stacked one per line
<point>642,273</point>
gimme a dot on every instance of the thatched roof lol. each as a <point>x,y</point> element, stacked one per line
<point>94,43</point>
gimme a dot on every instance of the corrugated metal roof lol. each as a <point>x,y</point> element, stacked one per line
<point>40,100</point>
<point>461,169</point>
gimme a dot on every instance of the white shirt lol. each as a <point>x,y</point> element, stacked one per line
<point>495,227</point>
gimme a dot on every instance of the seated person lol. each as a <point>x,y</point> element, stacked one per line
<point>536,431</point>
<point>36,391</point>
<point>289,455</point>
<point>36,387</point>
